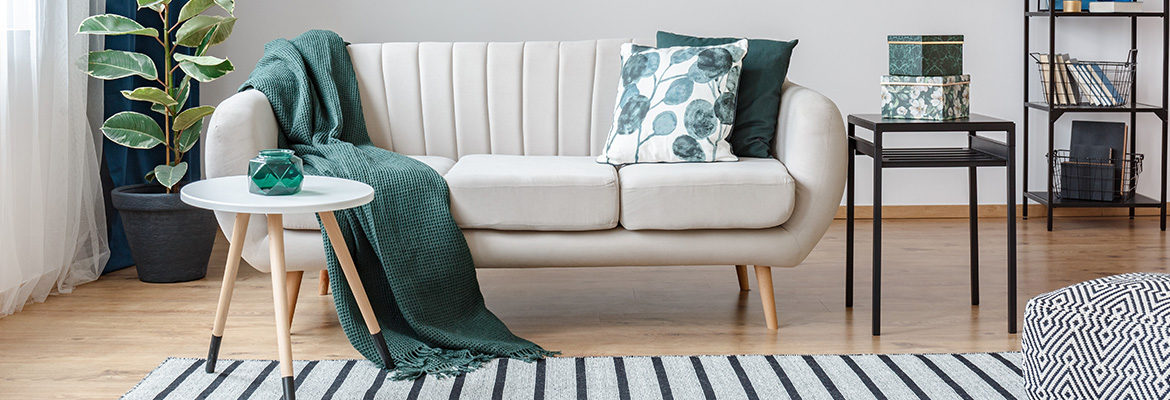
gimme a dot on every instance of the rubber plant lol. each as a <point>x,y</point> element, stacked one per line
<point>181,126</point>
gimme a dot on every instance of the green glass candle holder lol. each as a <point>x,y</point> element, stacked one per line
<point>275,172</point>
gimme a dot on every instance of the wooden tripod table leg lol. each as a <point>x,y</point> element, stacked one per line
<point>293,284</point>
<point>239,230</point>
<point>355,283</point>
<point>280,302</point>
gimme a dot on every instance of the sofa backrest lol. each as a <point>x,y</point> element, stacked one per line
<point>522,98</point>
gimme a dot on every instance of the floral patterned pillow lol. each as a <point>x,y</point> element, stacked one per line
<point>675,104</point>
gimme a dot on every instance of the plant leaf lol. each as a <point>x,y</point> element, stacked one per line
<point>189,116</point>
<point>151,94</point>
<point>158,108</point>
<point>191,33</point>
<point>181,94</point>
<point>156,5</point>
<point>114,64</point>
<point>190,136</point>
<point>202,49</point>
<point>200,60</point>
<point>227,5</point>
<point>168,176</point>
<point>149,176</point>
<point>193,8</point>
<point>113,24</point>
<point>206,73</point>
<point>133,130</point>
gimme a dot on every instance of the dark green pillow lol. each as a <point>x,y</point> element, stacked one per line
<point>758,106</point>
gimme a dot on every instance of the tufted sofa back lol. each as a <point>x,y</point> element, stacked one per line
<point>523,98</point>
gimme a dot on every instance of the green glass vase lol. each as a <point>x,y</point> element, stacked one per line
<point>275,172</point>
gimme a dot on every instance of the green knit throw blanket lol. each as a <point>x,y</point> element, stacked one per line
<point>412,258</point>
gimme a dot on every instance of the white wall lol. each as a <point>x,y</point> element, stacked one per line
<point>842,53</point>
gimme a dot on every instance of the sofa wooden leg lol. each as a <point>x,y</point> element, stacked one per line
<point>323,283</point>
<point>767,298</point>
<point>741,273</point>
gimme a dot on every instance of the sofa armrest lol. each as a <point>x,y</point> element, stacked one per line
<point>241,126</point>
<point>810,141</point>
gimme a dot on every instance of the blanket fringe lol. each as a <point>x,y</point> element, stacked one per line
<point>442,363</point>
<point>533,354</point>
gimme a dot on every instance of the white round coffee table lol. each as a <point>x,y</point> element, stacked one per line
<point>319,194</point>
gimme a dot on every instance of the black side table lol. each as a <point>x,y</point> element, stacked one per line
<point>980,152</point>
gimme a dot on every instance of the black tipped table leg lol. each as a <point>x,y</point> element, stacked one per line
<point>213,353</point>
<point>383,351</point>
<point>235,248</point>
<point>329,221</point>
<point>290,389</point>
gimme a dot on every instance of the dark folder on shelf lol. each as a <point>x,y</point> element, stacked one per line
<point>1096,157</point>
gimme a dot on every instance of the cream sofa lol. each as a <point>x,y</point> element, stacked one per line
<point>515,128</point>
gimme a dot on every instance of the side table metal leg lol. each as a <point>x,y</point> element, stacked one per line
<point>235,247</point>
<point>355,285</point>
<point>973,190</point>
<point>1011,217</point>
<point>849,216</point>
<point>877,236</point>
<point>280,303</point>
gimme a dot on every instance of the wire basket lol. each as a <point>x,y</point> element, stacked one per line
<point>1087,83</point>
<point>1078,178</point>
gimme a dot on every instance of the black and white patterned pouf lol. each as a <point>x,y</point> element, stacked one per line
<point>1107,338</point>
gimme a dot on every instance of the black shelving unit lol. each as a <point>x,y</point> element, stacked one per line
<point>1054,113</point>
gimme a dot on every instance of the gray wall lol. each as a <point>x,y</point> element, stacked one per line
<point>842,53</point>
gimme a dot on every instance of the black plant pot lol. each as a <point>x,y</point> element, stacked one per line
<point>170,240</point>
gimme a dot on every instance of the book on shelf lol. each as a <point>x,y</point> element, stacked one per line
<point>1045,77</point>
<point>1086,5</point>
<point>1061,79</point>
<point>1105,85</point>
<point>1116,6</point>
<point>1059,84</point>
<point>1095,84</point>
<point>1085,83</point>
<point>1070,88</point>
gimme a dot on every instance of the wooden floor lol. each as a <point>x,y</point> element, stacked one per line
<point>106,336</point>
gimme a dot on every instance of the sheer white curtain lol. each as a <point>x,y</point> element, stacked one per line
<point>52,223</point>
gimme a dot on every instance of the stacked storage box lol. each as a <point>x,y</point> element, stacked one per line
<point>926,78</point>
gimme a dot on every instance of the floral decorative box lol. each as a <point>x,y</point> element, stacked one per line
<point>926,55</point>
<point>926,97</point>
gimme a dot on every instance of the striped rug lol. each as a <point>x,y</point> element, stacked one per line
<point>901,376</point>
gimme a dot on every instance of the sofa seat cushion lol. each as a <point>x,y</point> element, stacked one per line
<point>309,221</point>
<point>752,193</point>
<point>542,193</point>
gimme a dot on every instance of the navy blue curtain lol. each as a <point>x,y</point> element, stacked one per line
<point>120,165</point>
